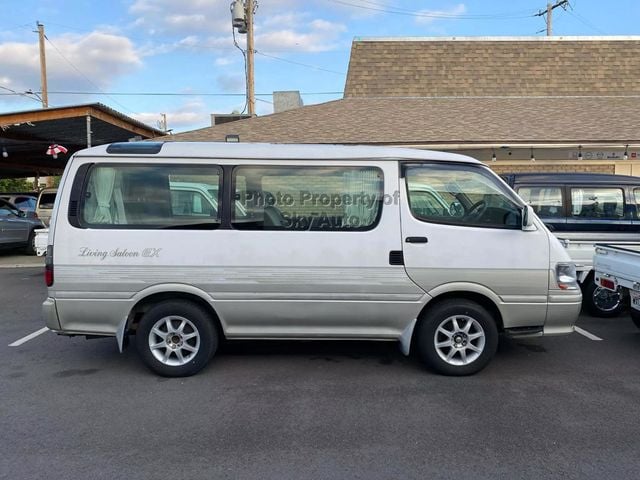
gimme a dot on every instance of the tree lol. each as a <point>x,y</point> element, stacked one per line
<point>15,185</point>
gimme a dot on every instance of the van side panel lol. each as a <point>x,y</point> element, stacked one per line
<point>261,283</point>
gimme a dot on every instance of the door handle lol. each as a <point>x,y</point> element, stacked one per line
<point>416,240</point>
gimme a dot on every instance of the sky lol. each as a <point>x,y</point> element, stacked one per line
<point>123,53</point>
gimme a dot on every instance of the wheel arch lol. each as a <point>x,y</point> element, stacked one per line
<point>154,295</point>
<point>476,294</point>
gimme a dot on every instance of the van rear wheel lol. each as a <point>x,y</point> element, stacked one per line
<point>457,337</point>
<point>601,302</point>
<point>176,338</point>
<point>635,317</point>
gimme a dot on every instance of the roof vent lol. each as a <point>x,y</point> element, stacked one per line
<point>136,148</point>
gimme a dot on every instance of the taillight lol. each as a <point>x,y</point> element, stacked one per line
<point>48,266</point>
<point>606,283</point>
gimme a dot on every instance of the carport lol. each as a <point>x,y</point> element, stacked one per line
<point>25,136</point>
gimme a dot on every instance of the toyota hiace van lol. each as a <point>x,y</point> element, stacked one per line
<point>428,249</point>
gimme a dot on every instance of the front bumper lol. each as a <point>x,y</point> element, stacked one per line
<point>562,312</point>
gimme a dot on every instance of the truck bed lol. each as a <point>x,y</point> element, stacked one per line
<point>618,263</point>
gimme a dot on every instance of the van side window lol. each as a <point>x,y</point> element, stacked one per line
<point>636,194</point>
<point>151,196</point>
<point>307,198</point>
<point>545,201</point>
<point>460,195</point>
<point>597,202</point>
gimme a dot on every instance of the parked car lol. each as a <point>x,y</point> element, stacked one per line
<point>332,242</point>
<point>17,228</point>
<point>44,206</point>
<point>24,202</point>
<point>583,209</point>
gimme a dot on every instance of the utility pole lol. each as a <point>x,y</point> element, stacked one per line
<point>251,93</point>
<point>43,67</point>
<point>242,19</point>
<point>549,13</point>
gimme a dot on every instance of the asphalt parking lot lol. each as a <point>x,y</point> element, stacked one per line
<point>563,407</point>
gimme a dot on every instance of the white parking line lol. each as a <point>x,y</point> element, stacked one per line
<point>589,335</point>
<point>31,336</point>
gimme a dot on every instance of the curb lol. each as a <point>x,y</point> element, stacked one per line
<point>23,265</point>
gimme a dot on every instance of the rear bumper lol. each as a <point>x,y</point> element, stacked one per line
<point>562,313</point>
<point>50,314</point>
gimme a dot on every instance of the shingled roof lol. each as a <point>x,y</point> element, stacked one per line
<point>437,91</point>
<point>466,120</point>
<point>493,66</point>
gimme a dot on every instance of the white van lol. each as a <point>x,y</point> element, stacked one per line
<point>308,242</point>
<point>44,204</point>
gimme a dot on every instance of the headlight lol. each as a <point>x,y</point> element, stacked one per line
<point>566,276</point>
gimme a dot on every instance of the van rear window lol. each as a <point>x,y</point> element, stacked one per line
<point>152,196</point>
<point>307,198</point>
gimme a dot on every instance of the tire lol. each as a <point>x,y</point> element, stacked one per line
<point>188,350</point>
<point>475,327</point>
<point>599,301</point>
<point>635,317</point>
<point>30,248</point>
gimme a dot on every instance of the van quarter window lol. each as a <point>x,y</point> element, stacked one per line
<point>307,198</point>
<point>459,195</point>
<point>597,202</point>
<point>152,196</point>
<point>546,201</point>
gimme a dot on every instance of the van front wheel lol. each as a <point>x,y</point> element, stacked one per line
<point>457,337</point>
<point>176,338</point>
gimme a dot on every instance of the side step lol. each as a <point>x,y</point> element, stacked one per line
<point>518,332</point>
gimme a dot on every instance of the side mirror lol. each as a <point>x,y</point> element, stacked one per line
<point>31,215</point>
<point>527,218</point>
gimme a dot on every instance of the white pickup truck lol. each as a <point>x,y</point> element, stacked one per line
<point>618,266</point>
<point>581,247</point>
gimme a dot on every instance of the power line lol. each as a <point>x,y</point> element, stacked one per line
<point>161,94</point>
<point>584,21</point>
<point>299,63</point>
<point>22,94</point>
<point>442,15</point>
<point>84,76</point>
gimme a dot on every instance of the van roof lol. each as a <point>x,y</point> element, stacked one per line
<point>570,178</point>
<point>266,151</point>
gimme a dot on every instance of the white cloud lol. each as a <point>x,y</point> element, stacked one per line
<point>99,56</point>
<point>209,22</point>
<point>224,61</point>
<point>320,36</point>
<point>192,114</point>
<point>431,16</point>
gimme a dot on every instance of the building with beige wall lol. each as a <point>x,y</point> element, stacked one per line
<point>517,103</point>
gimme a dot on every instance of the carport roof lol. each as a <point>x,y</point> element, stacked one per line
<point>27,134</point>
